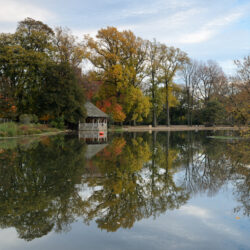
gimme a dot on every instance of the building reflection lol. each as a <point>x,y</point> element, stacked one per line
<point>95,141</point>
<point>93,137</point>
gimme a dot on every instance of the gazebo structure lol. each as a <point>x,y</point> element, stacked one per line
<point>96,119</point>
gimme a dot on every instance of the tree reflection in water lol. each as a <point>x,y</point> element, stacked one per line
<point>133,185</point>
<point>37,186</point>
<point>210,164</point>
<point>42,185</point>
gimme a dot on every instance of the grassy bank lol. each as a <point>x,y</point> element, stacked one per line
<point>12,129</point>
<point>116,129</point>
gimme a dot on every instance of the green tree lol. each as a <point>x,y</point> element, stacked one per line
<point>212,112</point>
<point>61,95</point>
<point>36,64</point>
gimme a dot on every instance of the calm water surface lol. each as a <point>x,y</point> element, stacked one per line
<point>178,190</point>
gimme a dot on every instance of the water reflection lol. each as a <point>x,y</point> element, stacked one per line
<point>132,185</point>
<point>49,184</point>
<point>38,186</point>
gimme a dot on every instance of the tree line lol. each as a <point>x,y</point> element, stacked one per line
<point>43,72</point>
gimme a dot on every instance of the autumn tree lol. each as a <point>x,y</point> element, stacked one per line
<point>67,49</point>
<point>153,71</point>
<point>173,59</point>
<point>239,100</point>
<point>119,58</point>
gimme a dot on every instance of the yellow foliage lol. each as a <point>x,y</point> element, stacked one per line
<point>119,58</point>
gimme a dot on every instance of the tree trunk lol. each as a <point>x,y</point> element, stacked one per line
<point>153,100</point>
<point>191,109</point>
<point>154,117</point>
<point>167,155</point>
<point>167,106</point>
<point>188,101</point>
<point>154,109</point>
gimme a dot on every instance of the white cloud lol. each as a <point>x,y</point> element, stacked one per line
<point>14,11</point>
<point>211,28</point>
<point>183,22</point>
<point>227,19</point>
<point>197,37</point>
<point>195,211</point>
<point>180,19</point>
<point>139,12</point>
<point>209,220</point>
<point>155,8</point>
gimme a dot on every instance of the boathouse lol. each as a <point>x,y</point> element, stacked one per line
<point>96,119</point>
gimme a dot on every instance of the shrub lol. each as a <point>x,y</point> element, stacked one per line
<point>28,118</point>
<point>8,129</point>
<point>58,123</point>
<point>2,134</point>
<point>34,118</point>
<point>25,119</point>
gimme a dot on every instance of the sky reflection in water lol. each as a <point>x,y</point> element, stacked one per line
<point>138,191</point>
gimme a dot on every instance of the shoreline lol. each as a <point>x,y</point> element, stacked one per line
<point>146,128</point>
<point>33,135</point>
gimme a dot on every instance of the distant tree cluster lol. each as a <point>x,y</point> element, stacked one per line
<point>210,97</point>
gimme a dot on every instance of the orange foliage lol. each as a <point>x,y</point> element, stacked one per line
<point>114,149</point>
<point>112,108</point>
<point>7,107</point>
<point>91,88</point>
<point>45,117</point>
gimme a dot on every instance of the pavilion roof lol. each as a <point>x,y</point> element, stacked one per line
<point>93,111</point>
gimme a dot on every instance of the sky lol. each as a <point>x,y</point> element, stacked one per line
<point>206,29</point>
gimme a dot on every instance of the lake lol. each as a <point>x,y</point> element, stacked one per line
<point>159,190</point>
